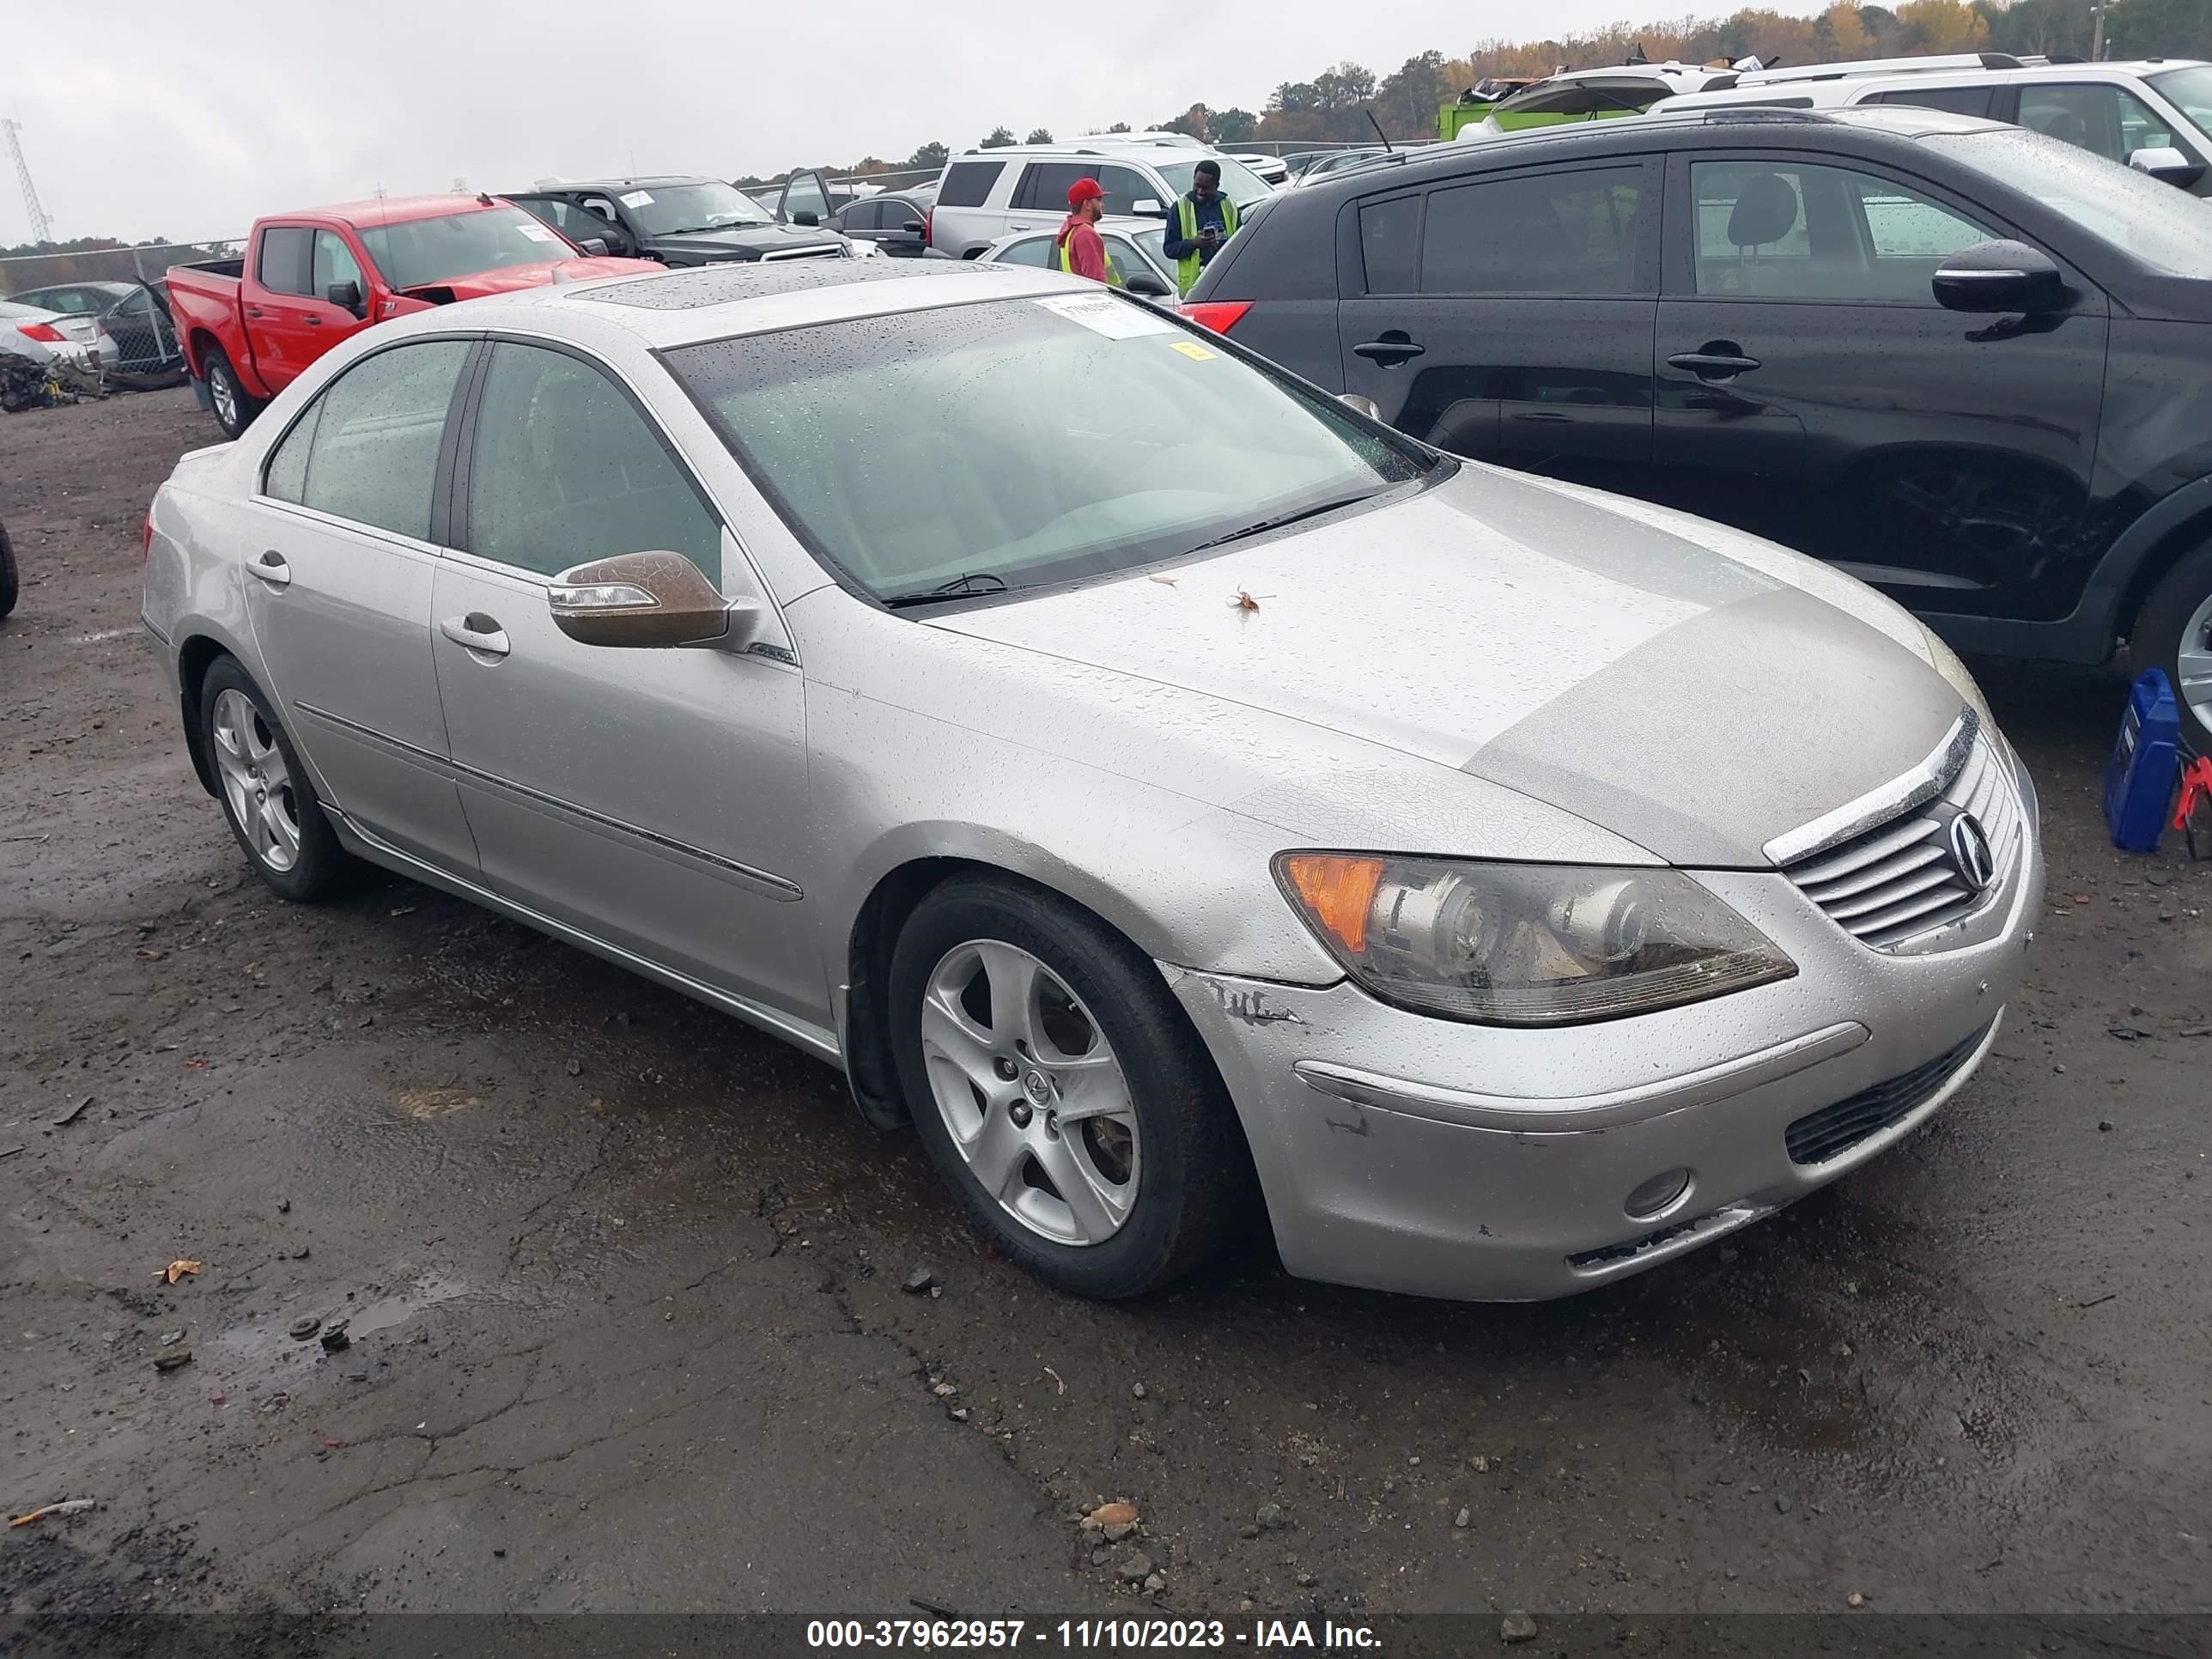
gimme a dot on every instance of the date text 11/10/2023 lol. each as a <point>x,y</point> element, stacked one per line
<point>1080,1635</point>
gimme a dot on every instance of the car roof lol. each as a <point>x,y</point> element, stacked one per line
<point>720,301</point>
<point>1837,91</point>
<point>1121,147</point>
<point>663,179</point>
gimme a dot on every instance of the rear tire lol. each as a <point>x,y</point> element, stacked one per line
<point>234,407</point>
<point>1150,1155</point>
<point>2173,632</point>
<point>267,796</point>
<point>10,584</point>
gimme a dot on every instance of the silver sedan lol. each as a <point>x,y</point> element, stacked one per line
<point>1191,806</point>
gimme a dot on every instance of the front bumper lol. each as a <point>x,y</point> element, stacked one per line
<point>1400,1151</point>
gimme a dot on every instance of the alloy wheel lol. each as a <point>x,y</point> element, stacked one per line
<point>2194,663</point>
<point>223,391</point>
<point>256,781</point>
<point>1030,1091</point>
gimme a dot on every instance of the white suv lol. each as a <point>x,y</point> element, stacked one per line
<point>2132,113</point>
<point>986,194</point>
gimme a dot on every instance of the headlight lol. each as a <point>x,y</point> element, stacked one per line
<point>1525,944</point>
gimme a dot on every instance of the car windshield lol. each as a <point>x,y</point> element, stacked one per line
<point>664,209</point>
<point>420,252</point>
<point>1155,245</point>
<point>1025,441</point>
<point>2166,228</point>
<point>2189,91</point>
<point>1238,182</point>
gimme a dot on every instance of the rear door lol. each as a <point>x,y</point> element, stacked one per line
<point>1040,199</point>
<point>964,219</point>
<point>338,591</point>
<point>1812,390</point>
<point>655,799</point>
<point>1509,317</point>
<point>289,322</point>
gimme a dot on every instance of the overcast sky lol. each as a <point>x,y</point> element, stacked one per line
<point>187,120</point>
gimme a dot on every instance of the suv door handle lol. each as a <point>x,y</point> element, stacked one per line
<point>271,568</point>
<point>478,633</point>
<point>1393,348</point>
<point>1717,360</point>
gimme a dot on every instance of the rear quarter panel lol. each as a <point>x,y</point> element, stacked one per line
<point>204,305</point>
<point>191,596</point>
<point>1284,260</point>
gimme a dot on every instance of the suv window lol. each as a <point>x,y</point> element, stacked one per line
<point>374,449</point>
<point>567,470</point>
<point>2107,120</point>
<point>1559,233</point>
<point>283,267</point>
<point>1044,185</point>
<point>1960,100</point>
<point>1772,231</point>
<point>862,216</point>
<point>1389,231</point>
<point>968,184</point>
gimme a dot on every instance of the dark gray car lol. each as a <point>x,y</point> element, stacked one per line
<point>677,221</point>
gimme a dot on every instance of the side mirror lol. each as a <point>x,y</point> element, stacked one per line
<point>2000,275</point>
<point>803,217</point>
<point>1365,404</point>
<point>344,296</point>
<point>644,600</point>
<point>914,228</point>
<point>2167,164</point>
<point>1143,204</point>
<point>1145,286</point>
<point>594,246</point>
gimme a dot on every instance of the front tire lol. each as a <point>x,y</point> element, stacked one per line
<point>1059,1090</point>
<point>2173,631</point>
<point>267,798</point>
<point>234,407</point>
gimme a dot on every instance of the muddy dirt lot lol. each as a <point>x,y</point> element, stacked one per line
<point>623,1278</point>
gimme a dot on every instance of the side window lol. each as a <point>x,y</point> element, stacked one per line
<point>1560,233</point>
<point>864,216</point>
<point>1960,100</point>
<point>1819,232</point>
<point>1124,187</point>
<point>1044,186</point>
<point>567,469</point>
<point>287,475</point>
<point>1389,231</point>
<point>2109,120</point>
<point>334,263</point>
<point>604,208</point>
<point>968,184</point>
<point>804,195</point>
<point>376,430</point>
<point>282,264</point>
<point>1029,251</point>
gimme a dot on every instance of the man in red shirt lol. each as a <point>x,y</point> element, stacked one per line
<point>1077,248</point>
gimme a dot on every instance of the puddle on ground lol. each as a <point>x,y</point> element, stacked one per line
<point>266,1350</point>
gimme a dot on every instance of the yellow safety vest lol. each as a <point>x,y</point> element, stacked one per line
<point>1187,268</point>
<point>1112,271</point>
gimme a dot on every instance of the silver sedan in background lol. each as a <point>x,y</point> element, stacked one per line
<point>1191,804</point>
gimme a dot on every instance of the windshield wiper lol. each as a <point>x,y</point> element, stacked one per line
<point>978,582</point>
<point>1280,519</point>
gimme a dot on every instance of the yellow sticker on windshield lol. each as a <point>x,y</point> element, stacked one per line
<point>1195,352</point>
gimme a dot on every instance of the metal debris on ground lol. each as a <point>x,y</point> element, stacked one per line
<point>305,1326</point>
<point>73,1113</point>
<point>335,1340</point>
<point>919,1280</point>
<point>170,1339</point>
<point>68,1506</point>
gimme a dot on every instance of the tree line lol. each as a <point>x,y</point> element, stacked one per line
<point>1336,105</point>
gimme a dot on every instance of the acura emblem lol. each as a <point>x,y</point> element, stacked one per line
<point>1970,852</point>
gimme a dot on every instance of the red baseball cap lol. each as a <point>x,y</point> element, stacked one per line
<point>1083,190</point>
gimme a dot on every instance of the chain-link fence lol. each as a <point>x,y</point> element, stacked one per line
<point>23,273</point>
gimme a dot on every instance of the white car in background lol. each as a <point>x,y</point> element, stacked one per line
<point>1137,248</point>
<point>54,344</point>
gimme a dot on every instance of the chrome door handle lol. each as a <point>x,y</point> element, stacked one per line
<point>478,633</point>
<point>271,569</point>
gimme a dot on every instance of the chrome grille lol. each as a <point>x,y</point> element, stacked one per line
<point>1897,879</point>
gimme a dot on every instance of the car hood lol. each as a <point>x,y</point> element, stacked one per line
<point>1602,656</point>
<point>509,279</point>
<point>750,240</point>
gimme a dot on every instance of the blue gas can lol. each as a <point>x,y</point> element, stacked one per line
<point>2139,778</point>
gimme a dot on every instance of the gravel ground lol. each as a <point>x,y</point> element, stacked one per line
<point>623,1279</point>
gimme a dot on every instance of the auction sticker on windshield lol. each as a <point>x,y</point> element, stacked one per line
<point>637,198</point>
<point>1102,314</point>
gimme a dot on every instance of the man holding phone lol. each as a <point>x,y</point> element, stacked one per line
<point>1199,222</point>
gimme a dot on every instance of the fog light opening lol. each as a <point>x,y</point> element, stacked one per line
<point>1656,1197</point>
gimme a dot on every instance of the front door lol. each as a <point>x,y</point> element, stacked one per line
<point>655,799</point>
<point>338,591</point>
<point>1510,318</point>
<point>1813,391</point>
<point>290,322</point>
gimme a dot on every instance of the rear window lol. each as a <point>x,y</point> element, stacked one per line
<point>1561,233</point>
<point>968,184</point>
<point>1388,232</point>
<point>1960,100</point>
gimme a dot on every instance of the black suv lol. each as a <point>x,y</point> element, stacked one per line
<point>678,222</point>
<point>1969,364</point>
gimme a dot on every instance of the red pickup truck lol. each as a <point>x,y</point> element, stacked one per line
<point>309,280</point>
